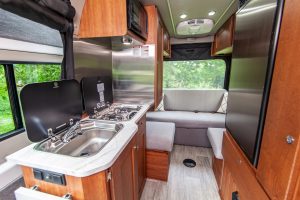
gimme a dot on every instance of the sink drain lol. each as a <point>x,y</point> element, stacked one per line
<point>189,163</point>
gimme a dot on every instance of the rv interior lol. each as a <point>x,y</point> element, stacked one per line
<point>149,99</point>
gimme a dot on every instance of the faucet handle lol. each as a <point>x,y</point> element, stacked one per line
<point>50,132</point>
<point>71,122</point>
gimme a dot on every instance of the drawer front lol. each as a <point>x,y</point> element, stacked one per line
<point>241,171</point>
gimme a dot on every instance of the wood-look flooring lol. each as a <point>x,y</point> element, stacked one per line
<point>185,183</point>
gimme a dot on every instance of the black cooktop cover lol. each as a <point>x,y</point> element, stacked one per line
<point>90,92</point>
<point>50,105</point>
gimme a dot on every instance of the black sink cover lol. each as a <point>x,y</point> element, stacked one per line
<point>50,105</point>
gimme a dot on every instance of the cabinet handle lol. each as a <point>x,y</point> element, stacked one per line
<point>67,196</point>
<point>290,139</point>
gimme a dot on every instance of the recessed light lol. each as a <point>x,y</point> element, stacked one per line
<point>183,16</point>
<point>212,13</point>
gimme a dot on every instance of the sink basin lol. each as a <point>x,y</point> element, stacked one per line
<point>91,139</point>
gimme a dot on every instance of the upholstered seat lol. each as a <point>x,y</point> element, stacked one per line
<point>186,119</point>
<point>215,136</point>
<point>192,112</point>
<point>160,136</point>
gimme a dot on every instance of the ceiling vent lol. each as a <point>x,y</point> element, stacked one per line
<point>195,27</point>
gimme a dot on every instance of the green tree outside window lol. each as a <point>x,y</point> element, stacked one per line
<point>198,74</point>
<point>24,74</point>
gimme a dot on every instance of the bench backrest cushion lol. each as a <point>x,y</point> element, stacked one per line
<point>193,100</point>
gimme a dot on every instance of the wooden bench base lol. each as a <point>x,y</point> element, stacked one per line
<point>218,169</point>
<point>157,164</point>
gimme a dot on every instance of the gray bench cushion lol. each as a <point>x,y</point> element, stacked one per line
<point>193,100</point>
<point>160,136</point>
<point>215,136</point>
<point>184,119</point>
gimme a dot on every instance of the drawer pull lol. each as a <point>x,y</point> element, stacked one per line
<point>67,196</point>
<point>35,188</point>
<point>235,196</point>
<point>290,139</point>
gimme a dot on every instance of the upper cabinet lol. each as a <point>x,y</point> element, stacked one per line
<point>156,37</point>
<point>107,18</point>
<point>224,38</point>
<point>167,43</point>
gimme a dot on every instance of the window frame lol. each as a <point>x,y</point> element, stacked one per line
<point>13,96</point>
<point>227,61</point>
<point>204,54</point>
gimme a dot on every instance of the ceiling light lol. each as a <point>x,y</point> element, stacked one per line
<point>183,16</point>
<point>212,13</point>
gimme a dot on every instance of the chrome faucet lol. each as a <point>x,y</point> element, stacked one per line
<point>71,133</point>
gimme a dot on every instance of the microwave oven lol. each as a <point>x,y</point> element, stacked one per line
<point>137,18</point>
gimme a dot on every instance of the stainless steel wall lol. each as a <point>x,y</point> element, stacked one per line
<point>133,72</point>
<point>131,67</point>
<point>93,57</point>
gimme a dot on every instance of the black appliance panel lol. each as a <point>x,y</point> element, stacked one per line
<point>91,95</point>
<point>137,18</point>
<point>50,105</point>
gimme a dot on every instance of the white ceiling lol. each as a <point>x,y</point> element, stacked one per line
<point>171,10</point>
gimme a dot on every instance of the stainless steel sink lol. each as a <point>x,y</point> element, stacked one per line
<point>93,136</point>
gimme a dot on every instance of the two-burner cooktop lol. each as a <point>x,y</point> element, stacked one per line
<point>117,112</point>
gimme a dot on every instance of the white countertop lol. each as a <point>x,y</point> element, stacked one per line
<point>80,166</point>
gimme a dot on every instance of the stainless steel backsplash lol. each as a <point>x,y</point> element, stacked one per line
<point>133,72</point>
<point>130,66</point>
<point>93,57</point>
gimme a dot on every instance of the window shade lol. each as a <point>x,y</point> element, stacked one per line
<point>18,28</point>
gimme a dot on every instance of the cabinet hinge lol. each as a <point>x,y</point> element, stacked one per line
<point>108,176</point>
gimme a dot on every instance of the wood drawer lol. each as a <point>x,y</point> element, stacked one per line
<point>157,165</point>
<point>241,171</point>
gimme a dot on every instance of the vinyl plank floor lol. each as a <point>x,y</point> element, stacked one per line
<point>8,192</point>
<point>185,183</point>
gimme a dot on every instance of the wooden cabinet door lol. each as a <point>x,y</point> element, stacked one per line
<point>224,38</point>
<point>156,37</point>
<point>227,185</point>
<point>279,165</point>
<point>167,44</point>
<point>139,159</point>
<point>159,67</point>
<point>122,183</point>
<point>241,170</point>
<point>141,154</point>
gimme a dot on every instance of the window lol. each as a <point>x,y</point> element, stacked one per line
<point>12,79</point>
<point>21,39</point>
<point>35,73</point>
<point>194,74</point>
<point>6,116</point>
